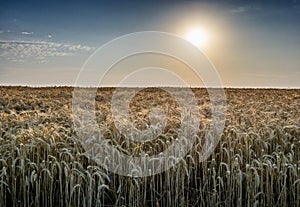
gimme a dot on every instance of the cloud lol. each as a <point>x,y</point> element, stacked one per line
<point>20,51</point>
<point>243,9</point>
<point>26,33</point>
<point>49,36</point>
<point>240,9</point>
<point>79,47</point>
<point>5,31</point>
<point>297,6</point>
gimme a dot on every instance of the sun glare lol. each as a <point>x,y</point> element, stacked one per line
<point>197,37</point>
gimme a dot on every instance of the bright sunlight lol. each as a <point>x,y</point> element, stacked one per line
<point>197,37</point>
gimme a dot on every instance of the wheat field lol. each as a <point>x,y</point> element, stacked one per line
<point>256,162</point>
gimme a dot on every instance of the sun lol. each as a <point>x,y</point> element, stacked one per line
<point>197,36</point>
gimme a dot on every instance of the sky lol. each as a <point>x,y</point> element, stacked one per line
<point>251,43</point>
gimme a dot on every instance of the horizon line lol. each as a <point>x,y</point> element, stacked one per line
<point>203,87</point>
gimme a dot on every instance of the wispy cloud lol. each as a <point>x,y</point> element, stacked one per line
<point>240,9</point>
<point>296,6</point>
<point>26,33</point>
<point>5,31</point>
<point>244,9</point>
<point>20,51</point>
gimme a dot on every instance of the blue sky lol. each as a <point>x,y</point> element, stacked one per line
<point>253,44</point>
